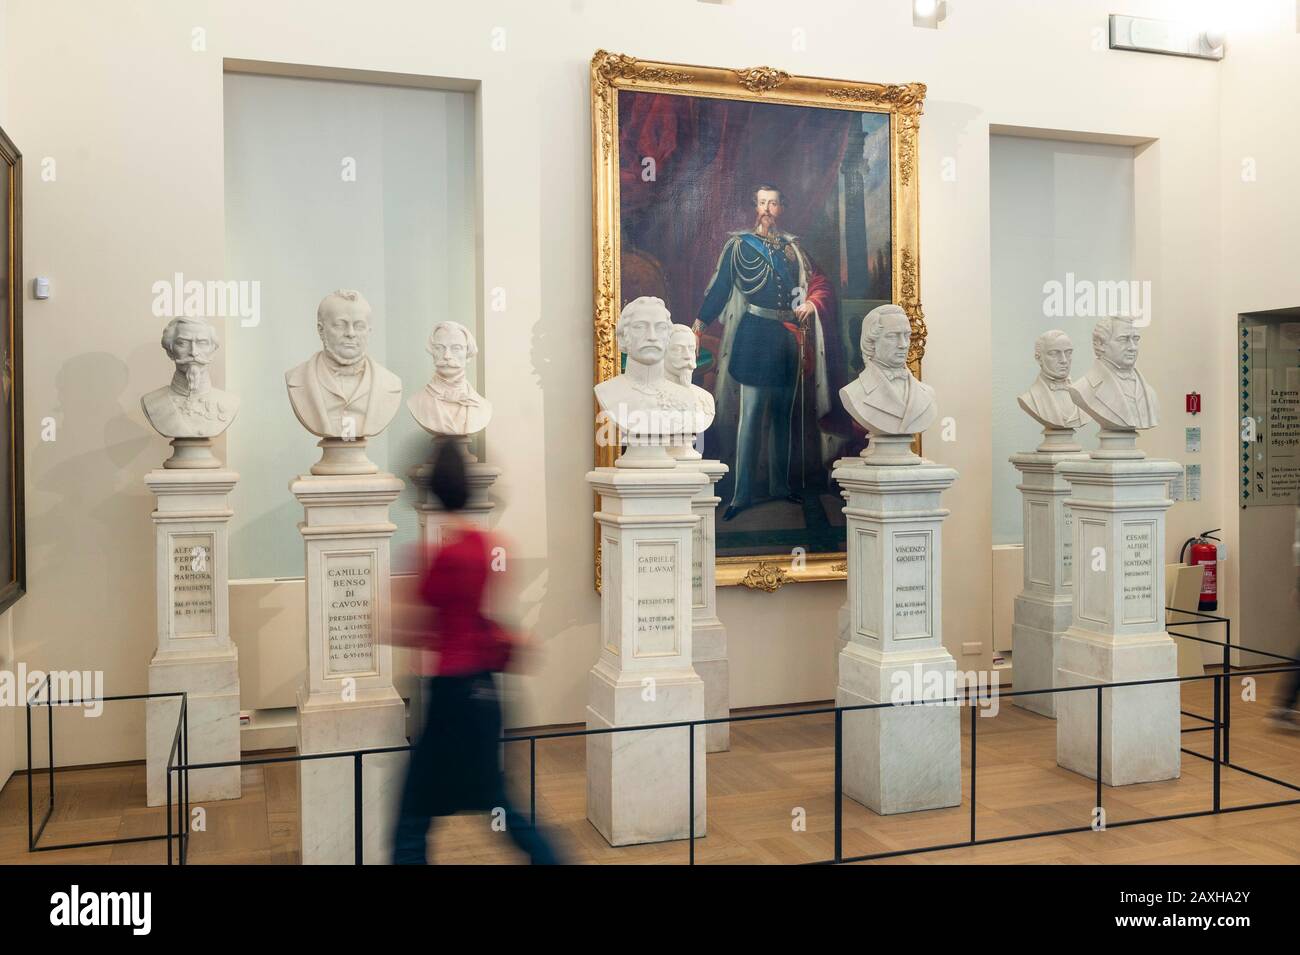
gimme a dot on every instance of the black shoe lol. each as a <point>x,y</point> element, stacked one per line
<point>1284,719</point>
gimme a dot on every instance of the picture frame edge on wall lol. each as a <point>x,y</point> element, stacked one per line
<point>16,586</point>
<point>611,72</point>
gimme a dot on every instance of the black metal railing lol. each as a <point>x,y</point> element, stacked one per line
<point>42,695</point>
<point>1219,724</point>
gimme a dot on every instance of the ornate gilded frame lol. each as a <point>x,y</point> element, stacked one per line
<point>14,585</point>
<point>611,72</point>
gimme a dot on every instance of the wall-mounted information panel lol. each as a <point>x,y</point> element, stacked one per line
<point>1270,410</point>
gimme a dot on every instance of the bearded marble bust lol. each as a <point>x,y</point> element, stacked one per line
<point>644,401</point>
<point>189,407</point>
<point>448,404</point>
<point>341,392</point>
<point>887,399</point>
<point>1048,399</point>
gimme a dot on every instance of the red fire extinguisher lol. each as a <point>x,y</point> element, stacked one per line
<point>1205,550</point>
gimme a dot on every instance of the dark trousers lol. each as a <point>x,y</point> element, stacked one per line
<point>1291,690</point>
<point>454,767</point>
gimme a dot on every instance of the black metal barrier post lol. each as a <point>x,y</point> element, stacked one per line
<point>356,809</point>
<point>1097,808</point>
<point>691,794</point>
<point>1218,735</point>
<point>974,719</point>
<point>839,785</point>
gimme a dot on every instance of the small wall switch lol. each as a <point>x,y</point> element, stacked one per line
<point>40,287</point>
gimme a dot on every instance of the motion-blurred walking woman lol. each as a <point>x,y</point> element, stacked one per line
<point>455,765</point>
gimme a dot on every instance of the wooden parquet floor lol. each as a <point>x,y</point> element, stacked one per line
<point>776,772</point>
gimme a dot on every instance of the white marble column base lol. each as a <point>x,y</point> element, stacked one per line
<point>1141,726</point>
<point>901,759</point>
<point>844,623</point>
<point>710,663</point>
<point>637,788</point>
<point>1035,642</point>
<point>212,681</point>
<point>326,785</point>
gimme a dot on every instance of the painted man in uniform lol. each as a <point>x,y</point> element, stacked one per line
<point>769,296</point>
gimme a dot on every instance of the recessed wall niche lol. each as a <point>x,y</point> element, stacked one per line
<point>329,184</point>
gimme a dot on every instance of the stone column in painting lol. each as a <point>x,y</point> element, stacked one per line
<point>1043,608</point>
<point>191,518</point>
<point>900,758</point>
<point>348,701</point>
<point>1118,499</point>
<point>637,782</point>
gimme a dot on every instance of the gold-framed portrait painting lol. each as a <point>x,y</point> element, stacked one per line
<point>770,212</point>
<point>13,553</point>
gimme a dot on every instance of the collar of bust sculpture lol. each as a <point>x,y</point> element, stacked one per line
<point>645,377</point>
<point>899,373</point>
<point>342,369</point>
<point>1056,384</point>
<point>1127,374</point>
<point>180,385</point>
<point>458,391</point>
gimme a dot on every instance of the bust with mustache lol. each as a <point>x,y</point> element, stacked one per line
<point>643,401</point>
<point>448,404</point>
<point>189,407</point>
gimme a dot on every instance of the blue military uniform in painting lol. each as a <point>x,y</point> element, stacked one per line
<point>764,352</point>
<point>758,282</point>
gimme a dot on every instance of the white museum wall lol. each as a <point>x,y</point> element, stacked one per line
<point>133,114</point>
<point>1260,208</point>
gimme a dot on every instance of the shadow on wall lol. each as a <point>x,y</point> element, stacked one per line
<point>554,592</point>
<point>88,512</point>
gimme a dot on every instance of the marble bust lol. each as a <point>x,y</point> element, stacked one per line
<point>189,407</point>
<point>680,364</point>
<point>1048,399</point>
<point>887,399</point>
<point>341,392</point>
<point>448,404</point>
<point>643,401</point>
<point>1113,391</point>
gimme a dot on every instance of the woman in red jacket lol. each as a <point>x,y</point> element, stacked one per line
<point>455,766</point>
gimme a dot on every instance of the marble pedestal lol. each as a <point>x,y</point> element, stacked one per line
<point>907,758</point>
<point>708,635</point>
<point>1045,603</point>
<point>842,615</point>
<point>478,508</point>
<point>1117,631</point>
<point>637,783</point>
<point>194,653</point>
<point>348,701</point>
